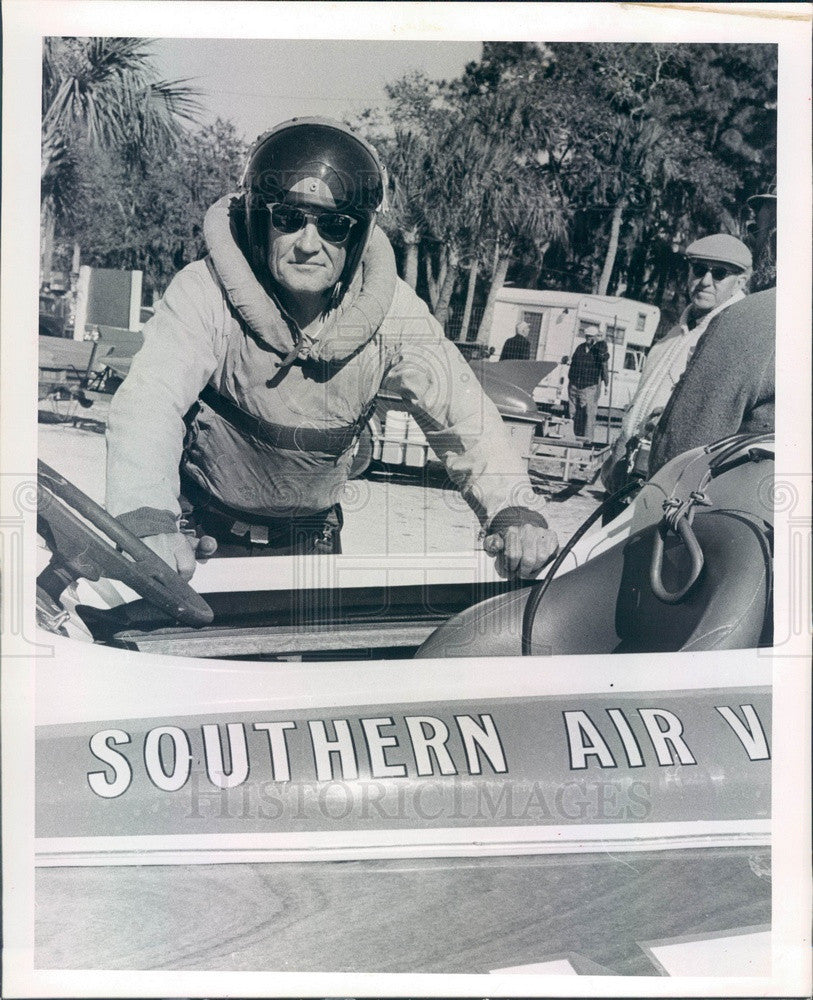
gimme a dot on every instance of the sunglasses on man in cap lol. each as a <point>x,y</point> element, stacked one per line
<point>700,268</point>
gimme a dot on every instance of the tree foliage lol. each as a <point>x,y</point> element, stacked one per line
<point>152,219</point>
<point>101,95</point>
<point>585,167</point>
<point>612,157</point>
<point>105,92</point>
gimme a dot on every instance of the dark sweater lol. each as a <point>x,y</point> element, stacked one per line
<point>516,348</point>
<point>728,386</point>
<point>588,365</point>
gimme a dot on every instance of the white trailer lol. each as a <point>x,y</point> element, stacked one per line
<point>557,321</point>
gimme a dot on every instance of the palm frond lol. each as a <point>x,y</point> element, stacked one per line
<point>105,91</point>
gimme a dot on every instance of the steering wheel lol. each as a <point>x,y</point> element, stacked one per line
<point>117,553</point>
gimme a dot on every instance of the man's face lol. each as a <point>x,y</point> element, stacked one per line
<point>712,283</point>
<point>304,262</point>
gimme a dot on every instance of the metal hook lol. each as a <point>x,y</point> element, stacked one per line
<point>684,529</point>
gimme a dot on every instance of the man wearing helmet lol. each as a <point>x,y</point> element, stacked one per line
<point>237,422</point>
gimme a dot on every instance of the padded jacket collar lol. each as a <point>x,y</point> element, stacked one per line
<point>346,329</point>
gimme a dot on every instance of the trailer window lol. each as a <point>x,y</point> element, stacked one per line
<point>615,334</point>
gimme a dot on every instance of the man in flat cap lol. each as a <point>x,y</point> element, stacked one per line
<point>588,370</point>
<point>719,270</point>
<point>729,386</point>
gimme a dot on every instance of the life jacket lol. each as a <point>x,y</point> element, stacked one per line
<point>346,329</point>
<point>273,431</point>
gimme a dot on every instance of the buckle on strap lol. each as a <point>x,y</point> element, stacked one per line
<point>257,533</point>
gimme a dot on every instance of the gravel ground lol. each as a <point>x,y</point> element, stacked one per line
<point>385,513</point>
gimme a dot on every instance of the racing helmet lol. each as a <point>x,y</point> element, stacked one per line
<point>320,163</point>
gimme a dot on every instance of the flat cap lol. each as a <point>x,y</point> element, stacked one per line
<point>723,248</point>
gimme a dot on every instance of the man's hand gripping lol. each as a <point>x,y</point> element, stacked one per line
<point>181,550</point>
<point>521,542</point>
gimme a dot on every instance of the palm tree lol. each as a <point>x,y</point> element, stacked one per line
<point>525,211</point>
<point>470,166</point>
<point>407,155</point>
<point>514,191</point>
<point>406,134</point>
<point>102,92</point>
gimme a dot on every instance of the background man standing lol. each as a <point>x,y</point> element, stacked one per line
<point>719,270</point>
<point>588,370</point>
<point>517,348</point>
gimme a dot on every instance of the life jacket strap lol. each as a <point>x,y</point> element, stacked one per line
<point>334,441</point>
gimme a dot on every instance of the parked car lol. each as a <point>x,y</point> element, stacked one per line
<point>392,435</point>
<point>54,314</point>
<point>473,351</point>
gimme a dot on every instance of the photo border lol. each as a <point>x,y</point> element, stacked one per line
<point>24,24</point>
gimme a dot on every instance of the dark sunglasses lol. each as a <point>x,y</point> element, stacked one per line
<point>331,226</point>
<point>718,272</point>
